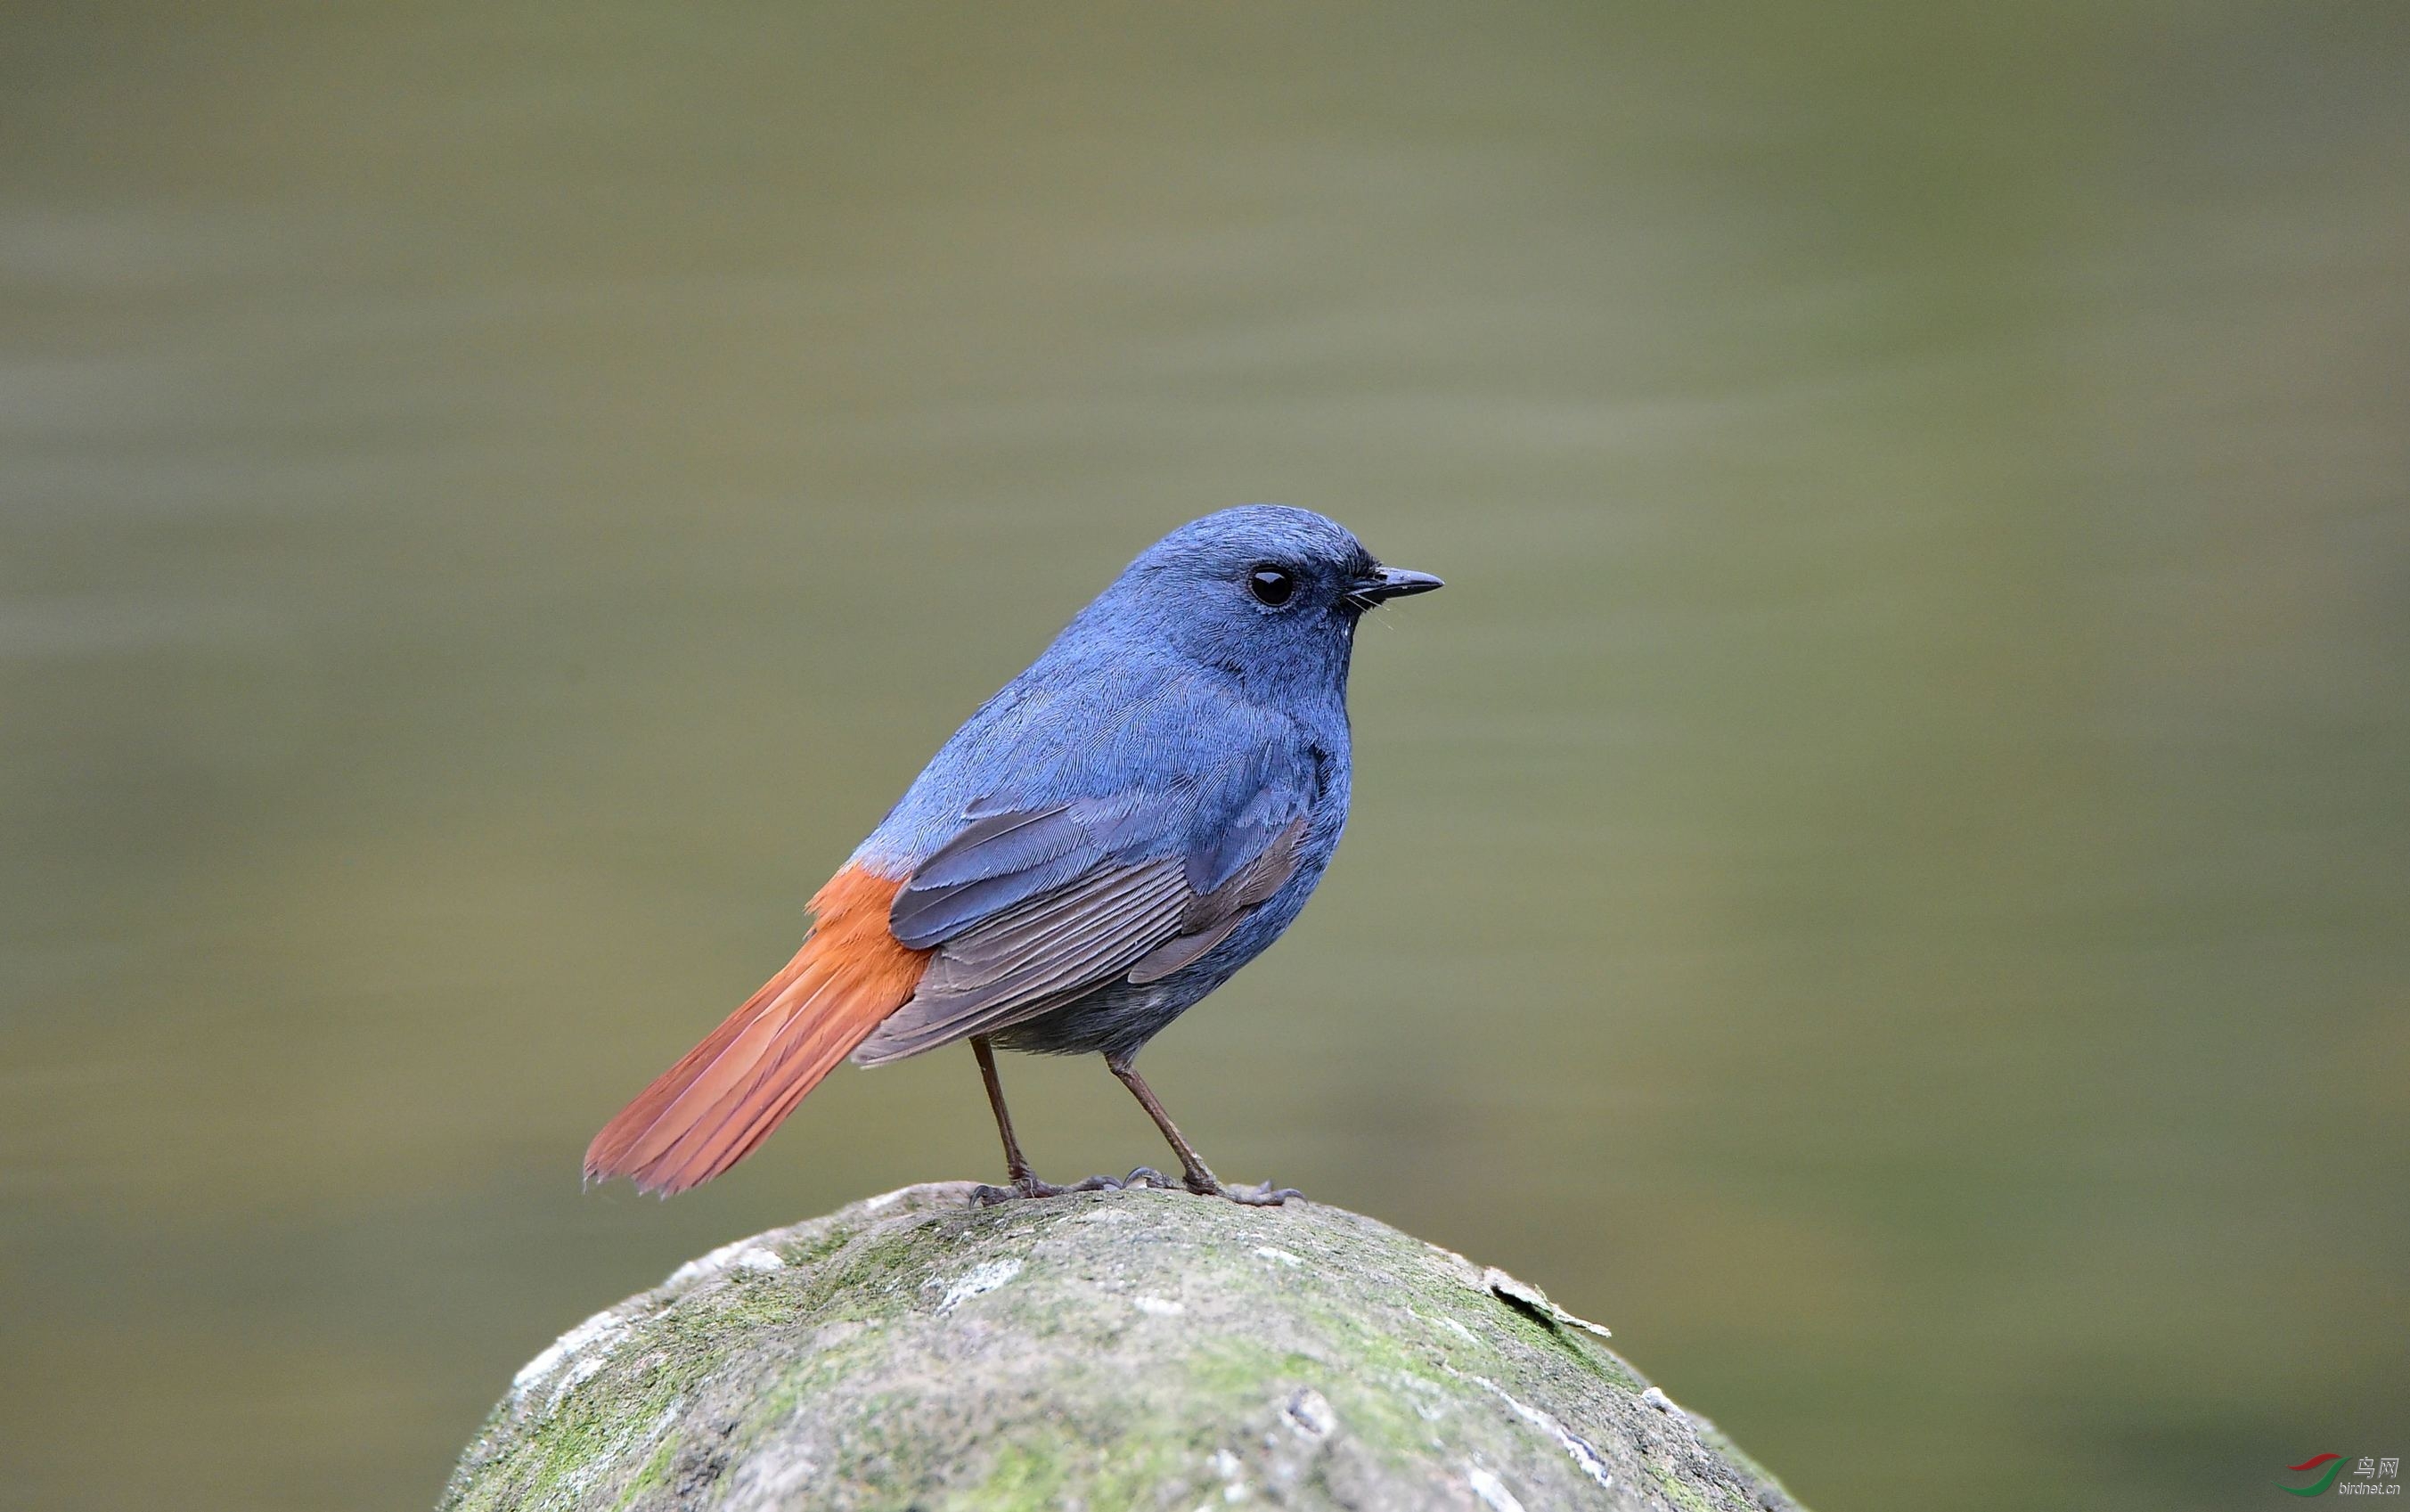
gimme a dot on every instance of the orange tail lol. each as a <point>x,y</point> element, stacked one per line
<point>708,1111</point>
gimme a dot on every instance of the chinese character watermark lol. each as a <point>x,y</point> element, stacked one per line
<point>2369,1475</point>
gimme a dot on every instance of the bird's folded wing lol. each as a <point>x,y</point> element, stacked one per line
<point>1027,910</point>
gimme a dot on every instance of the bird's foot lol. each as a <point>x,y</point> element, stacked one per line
<point>1148,1176</point>
<point>1026,1186</point>
<point>1264,1195</point>
<point>1204,1183</point>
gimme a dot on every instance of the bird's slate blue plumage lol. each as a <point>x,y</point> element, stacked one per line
<point>1177,718</point>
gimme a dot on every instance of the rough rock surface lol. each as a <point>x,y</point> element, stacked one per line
<point>1102,1351</point>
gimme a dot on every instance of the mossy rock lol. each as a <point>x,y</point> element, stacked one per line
<point>1137,1350</point>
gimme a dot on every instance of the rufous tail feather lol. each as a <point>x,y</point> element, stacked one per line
<point>724,1096</point>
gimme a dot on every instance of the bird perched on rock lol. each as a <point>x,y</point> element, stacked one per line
<point>1128,824</point>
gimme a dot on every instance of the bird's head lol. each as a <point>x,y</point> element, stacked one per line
<point>1268,595</point>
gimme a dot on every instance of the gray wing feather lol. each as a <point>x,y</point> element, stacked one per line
<point>1211,916</point>
<point>1180,951</point>
<point>1142,921</point>
<point>1034,956</point>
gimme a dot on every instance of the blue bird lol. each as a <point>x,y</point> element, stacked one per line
<point>1106,842</point>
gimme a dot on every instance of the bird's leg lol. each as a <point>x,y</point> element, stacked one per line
<point>1194,1173</point>
<point>1016,1165</point>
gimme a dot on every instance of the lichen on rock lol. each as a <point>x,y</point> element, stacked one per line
<point>1109,1350</point>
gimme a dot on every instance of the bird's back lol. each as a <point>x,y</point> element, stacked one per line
<point>1086,721</point>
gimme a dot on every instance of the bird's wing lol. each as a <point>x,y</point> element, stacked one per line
<point>1030,908</point>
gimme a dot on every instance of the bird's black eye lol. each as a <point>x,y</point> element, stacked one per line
<point>1272,585</point>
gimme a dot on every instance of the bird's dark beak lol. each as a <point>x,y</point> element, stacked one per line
<point>1389,583</point>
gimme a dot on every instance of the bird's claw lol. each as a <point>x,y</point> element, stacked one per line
<point>1028,1187</point>
<point>1024,1188</point>
<point>1262,1196</point>
<point>1205,1183</point>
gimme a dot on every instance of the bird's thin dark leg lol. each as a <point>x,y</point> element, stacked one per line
<point>1014,1162</point>
<point>1016,1165</point>
<point>1194,1173</point>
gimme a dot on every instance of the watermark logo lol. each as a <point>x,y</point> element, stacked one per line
<point>2370,1477</point>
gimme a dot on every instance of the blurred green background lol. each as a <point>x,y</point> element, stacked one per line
<point>1886,877</point>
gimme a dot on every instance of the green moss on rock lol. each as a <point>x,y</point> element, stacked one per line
<point>1141,1349</point>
